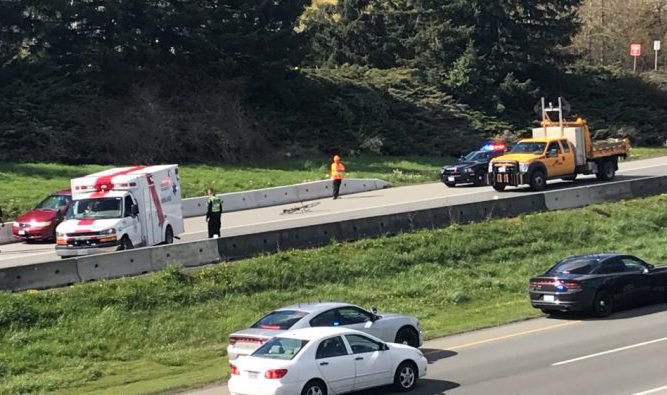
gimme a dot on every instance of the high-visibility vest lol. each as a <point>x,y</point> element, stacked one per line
<point>337,171</point>
<point>216,205</point>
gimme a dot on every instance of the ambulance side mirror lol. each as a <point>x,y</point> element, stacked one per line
<point>134,210</point>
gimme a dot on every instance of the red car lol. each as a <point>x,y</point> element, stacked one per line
<point>41,222</point>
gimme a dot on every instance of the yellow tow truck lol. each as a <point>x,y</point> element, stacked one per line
<point>557,149</point>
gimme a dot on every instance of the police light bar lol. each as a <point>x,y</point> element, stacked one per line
<point>494,146</point>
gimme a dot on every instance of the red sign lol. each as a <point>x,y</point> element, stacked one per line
<point>635,50</point>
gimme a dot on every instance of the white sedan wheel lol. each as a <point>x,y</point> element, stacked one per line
<point>406,377</point>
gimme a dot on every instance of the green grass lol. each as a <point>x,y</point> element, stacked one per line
<point>638,153</point>
<point>24,185</point>
<point>168,330</point>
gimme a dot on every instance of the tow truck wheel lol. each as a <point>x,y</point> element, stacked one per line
<point>499,187</point>
<point>125,244</point>
<point>538,181</point>
<point>606,170</point>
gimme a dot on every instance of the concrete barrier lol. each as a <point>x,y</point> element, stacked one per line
<point>39,276</point>
<point>6,235</point>
<point>610,192</point>
<point>568,199</point>
<point>114,265</point>
<point>648,186</point>
<point>246,200</point>
<point>197,253</point>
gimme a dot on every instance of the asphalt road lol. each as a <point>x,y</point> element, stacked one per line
<point>361,205</point>
<point>625,354</point>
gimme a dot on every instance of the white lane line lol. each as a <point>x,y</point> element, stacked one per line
<point>653,391</point>
<point>4,256</point>
<point>599,354</point>
<point>642,168</point>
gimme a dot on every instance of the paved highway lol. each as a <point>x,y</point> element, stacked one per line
<point>621,355</point>
<point>349,207</point>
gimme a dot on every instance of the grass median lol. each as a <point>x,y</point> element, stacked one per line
<point>24,185</point>
<point>168,330</point>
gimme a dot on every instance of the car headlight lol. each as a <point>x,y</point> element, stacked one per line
<point>40,224</point>
<point>523,167</point>
<point>108,232</point>
<point>61,235</point>
<point>469,170</point>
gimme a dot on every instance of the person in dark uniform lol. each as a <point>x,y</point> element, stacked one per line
<point>213,213</point>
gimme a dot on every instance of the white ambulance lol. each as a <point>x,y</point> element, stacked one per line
<point>120,209</point>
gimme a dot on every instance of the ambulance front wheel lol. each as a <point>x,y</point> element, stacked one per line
<point>169,236</point>
<point>125,244</point>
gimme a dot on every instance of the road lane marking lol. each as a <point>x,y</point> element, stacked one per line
<point>653,391</point>
<point>615,350</point>
<point>503,337</point>
<point>642,168</point>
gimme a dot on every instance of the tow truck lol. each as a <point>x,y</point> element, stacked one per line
<point>558,149</point>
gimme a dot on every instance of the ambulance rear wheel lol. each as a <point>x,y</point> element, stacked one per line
<point>125,244</point>
<point>169,236</point>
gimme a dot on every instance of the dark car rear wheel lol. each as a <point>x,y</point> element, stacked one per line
<point>450,184</point>
<point>406,376</point>
<point>407,336</point>
<point>314,387</point>
<point>499,187</point>
<point>603,304</point>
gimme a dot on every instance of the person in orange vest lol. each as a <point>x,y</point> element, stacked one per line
<point>337,172</point>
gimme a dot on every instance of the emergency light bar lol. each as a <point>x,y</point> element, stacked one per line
<point>494,146</point>
<point>104,187</point>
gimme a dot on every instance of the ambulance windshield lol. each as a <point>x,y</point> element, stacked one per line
<point>98,208</point>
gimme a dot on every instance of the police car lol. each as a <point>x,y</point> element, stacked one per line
<point>472,168</point>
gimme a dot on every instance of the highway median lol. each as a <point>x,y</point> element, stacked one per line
<point>167,331</point>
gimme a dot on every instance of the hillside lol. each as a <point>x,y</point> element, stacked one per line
<point>171,84</point>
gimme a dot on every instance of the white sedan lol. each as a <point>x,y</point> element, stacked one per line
<point>321,361</point>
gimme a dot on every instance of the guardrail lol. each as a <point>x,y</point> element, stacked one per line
<point>193,254</point>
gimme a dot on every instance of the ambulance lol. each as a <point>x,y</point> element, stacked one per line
<point>120,209</point>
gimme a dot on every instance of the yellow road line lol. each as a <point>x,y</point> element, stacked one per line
<point>511,335</point>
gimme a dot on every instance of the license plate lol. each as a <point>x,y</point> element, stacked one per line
<point>253,375</point>
<point>21,232</point>
<point>502,169</point>
<point>549,298</point>
<point>451,179</point>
